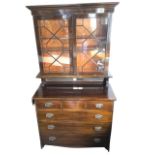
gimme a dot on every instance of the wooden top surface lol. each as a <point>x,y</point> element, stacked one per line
<point>106,5</point>
<point>68,93</point>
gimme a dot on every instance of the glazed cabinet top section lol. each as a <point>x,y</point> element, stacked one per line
<point>73,40</point>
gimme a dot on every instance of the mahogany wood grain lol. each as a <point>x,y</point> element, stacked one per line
<point>106,105</point>
<point>60,34</point>
<point>69,116</point>
<point>45,10</point>
<point>76,140</point>
<point>65,128</point>
<point>41,104</point>
<point>74,115</point>
<point>74,103</point>
<point>69,94</point>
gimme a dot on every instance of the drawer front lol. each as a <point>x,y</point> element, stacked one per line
<point>100,105</point>
<point>69,116</point>
<point>74,105</point>
<point>75,140</point>
<point>49,104</point>
<point>54,128</point>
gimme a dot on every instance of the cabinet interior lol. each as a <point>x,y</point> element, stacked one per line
<point>75,45</point>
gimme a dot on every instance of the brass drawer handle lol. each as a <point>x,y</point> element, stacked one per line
<point>98,128</point>
<point>52,139</point>
<point>97,140</point>
<point>51,127</point>
<point>48,104</point>
<point>49,115</point>
<point>99,105</point>
<point>98,116</point>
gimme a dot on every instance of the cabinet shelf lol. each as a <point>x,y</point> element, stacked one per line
<point>64,75</point>
<point>67,49</point>
<point>103,39</point>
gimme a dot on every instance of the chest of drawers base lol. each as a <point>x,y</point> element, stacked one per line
<point>76,118</point>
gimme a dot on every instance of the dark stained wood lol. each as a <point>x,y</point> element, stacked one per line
<point>76,116</point>
<point>42,104</point>
<point>61,104</point>
<point>106,105</point>
<point>89,7</point>
<point>80,64</point>
<point>74,103</point>
<point>86,81</point>
<point>88,93</point>
<point>76,128</point>
<point>105,4</point>
<point>81,75</point>
<point>76,141</point>
<point>37,41</point>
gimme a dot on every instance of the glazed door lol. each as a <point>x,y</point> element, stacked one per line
<point>55,52</point>
<point>91,35</point>
<point>74,45</point>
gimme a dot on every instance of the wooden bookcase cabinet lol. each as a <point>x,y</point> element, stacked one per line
<point>73,44</point>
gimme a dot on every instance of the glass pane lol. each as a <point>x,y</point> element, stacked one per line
<point>90,44</point>
<point>54,44</point>
<point>55,62</point>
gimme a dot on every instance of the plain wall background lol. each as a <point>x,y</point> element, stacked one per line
<point>132,64</point>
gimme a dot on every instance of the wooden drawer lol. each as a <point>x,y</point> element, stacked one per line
<point>75,140</point>
<point>65,128</point>
<point>69,116</point>
<point>100,105</point>
<point>54,104</point>
<point>74,105</point>
<point>49,104</point>
<point>89,105</point>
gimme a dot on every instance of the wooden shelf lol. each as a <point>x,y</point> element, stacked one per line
<point>77,37</point>
<point>67,49</point>
<point>82,75</point>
